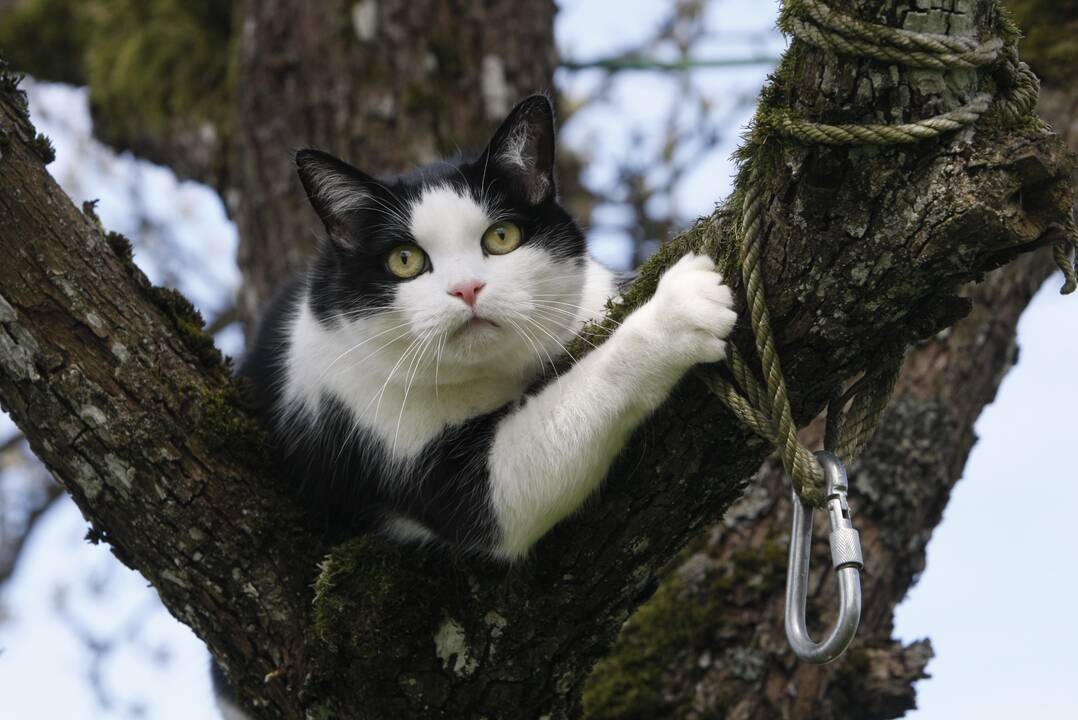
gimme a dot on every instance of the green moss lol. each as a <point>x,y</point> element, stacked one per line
<point>122,247</point>
<point>44,148</point>
<point>188,322</point>
<point>151,65</point>
<point>47,38</point>
<point>365,598</point>
<point>627,685</point>
<point>148,63</point>
<point>668,633</point>
<point>224,423</point>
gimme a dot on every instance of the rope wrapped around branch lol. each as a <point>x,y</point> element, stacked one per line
<point>766,409</point>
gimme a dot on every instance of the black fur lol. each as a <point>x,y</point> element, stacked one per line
<point>341,473</point>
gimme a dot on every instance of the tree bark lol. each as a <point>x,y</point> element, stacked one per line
<point>122,398</point>
<point>734,661</point>
<point>384,84</point>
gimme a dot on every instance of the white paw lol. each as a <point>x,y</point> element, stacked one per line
<point>691,314</point>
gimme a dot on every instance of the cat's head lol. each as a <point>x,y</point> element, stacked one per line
<point>474,256</point>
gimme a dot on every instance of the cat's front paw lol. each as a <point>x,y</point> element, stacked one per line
<point>691,313</point>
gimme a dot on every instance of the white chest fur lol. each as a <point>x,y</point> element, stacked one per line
<point>400,386</point>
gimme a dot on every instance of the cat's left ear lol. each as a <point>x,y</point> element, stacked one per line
<point>522,149</point>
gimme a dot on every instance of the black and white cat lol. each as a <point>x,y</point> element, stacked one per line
<point>402,374</point>
<point>406,375</point>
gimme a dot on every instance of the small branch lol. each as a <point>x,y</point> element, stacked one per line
<point>620,63</point>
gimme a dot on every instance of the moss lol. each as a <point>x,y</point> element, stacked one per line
<point>365,598</point>
<point>224,423</point>
<point>149,62</point>
<point>47,38</point>
<point>668,633</point>
<point>188,322</point>
<point>122,247</point>
<point>9,81</point>
<point>44,148</point>
<point>627,684</point>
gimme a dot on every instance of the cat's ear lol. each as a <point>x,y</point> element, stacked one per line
<point>337,192</point>
<point>522,149</point>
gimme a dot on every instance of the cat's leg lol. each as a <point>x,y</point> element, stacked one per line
<point>549,455</point>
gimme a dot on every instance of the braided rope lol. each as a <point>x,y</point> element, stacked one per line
<point>854,27</point>
<point>828,40</point>
<point>851,134</point>
<point>766,410</point>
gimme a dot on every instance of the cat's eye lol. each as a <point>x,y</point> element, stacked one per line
<point>501,238</point>
<point>406,261</point>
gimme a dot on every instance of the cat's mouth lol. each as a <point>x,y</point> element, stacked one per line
<point>475,323</point>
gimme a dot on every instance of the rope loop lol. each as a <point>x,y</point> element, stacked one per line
<point>766,408</point>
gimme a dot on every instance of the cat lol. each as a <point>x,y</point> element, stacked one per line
<point>408,376</point>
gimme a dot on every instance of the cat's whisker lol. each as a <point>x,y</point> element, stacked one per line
<point>358,346</point>
<point>438,361</point>
<point>594,315</point>
<point>570,316</point>
<point>535,346</point>
<point>558,320</point>
<point>408,387</point>
<point>556,340</point>
<point>389,378</point>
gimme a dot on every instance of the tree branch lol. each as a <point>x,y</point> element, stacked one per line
<point>121,397</point>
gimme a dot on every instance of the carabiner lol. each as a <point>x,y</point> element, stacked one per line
<point>846,558</point>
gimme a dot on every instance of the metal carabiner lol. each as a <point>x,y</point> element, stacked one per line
<point>846,558</point>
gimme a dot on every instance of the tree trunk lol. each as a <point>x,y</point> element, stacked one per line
<point>385,84</point>
<point>122,398</point>
<point>734,661</point>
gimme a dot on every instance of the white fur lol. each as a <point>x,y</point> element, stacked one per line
<point>551,454</point>
<point>408,373</point>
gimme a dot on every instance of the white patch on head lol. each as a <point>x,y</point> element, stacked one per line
<point>431,361</point>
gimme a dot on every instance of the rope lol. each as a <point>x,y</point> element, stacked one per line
<point>766,409</point>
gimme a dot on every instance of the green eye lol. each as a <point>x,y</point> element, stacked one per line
<point>406,261</point>
<point>501,238</point>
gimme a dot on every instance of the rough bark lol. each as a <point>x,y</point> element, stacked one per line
<point>733,661</point>
<point>119,395</point>
<point>386,84</point>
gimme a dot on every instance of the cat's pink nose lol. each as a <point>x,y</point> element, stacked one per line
<point>467,291</point>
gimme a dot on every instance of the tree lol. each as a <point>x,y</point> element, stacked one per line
<point>732,661</point>
<point>125,400</point>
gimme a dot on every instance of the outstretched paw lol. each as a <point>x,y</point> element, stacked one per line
<point>692,313</point>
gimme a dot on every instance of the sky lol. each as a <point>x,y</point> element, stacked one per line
<point>996,597</point>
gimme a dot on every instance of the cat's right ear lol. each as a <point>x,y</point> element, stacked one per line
<point>337,192</point>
